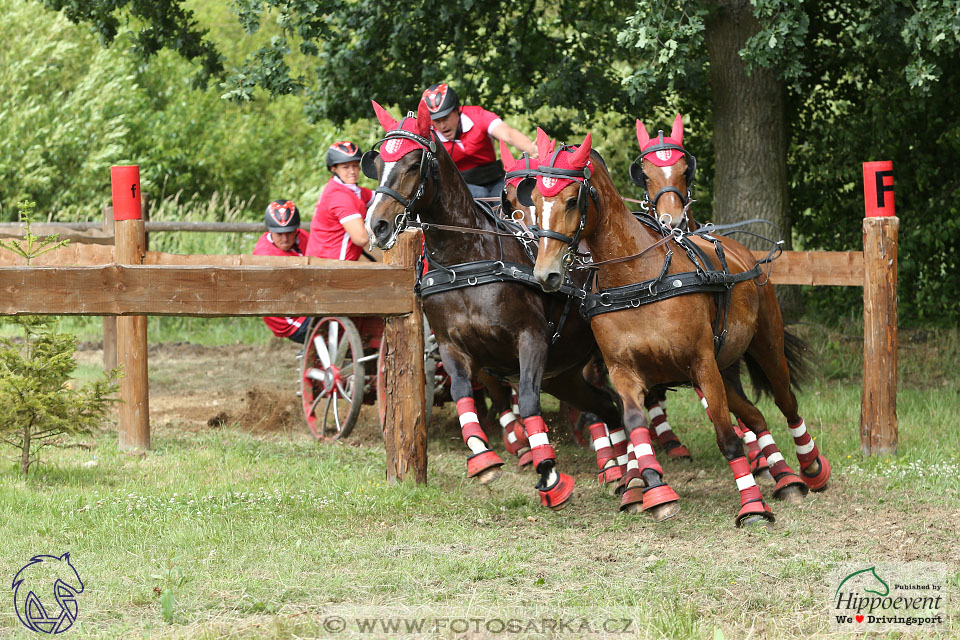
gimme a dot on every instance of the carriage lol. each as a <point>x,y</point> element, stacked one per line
<point>341,370</point>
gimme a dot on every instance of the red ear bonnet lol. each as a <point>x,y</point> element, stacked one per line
<point>385,119</point>
<point>423,120</point>
<point>506,158</point>
<point>396,148</point>
<point>577,160</point>
<point>663,157</point>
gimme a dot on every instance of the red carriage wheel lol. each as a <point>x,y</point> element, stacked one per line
<point>332,377</point>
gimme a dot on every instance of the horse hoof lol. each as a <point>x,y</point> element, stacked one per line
<point>755,521</point>
<point>611,489</point>
<point>489,475</point>
<point>765,475</point>
<point>633,509</point>
<point>679,452</point>
<point>792,494</point>
<point>663,512</point>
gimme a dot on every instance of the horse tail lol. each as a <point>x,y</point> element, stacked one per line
<point>798,363</point>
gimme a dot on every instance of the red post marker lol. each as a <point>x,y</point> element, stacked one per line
<point>878,188</point>
<point>125,180</point>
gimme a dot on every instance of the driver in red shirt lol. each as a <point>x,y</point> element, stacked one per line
<point>467,133</point>
<point>284,237</point>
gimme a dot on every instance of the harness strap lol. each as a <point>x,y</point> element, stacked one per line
<point>472,274</point>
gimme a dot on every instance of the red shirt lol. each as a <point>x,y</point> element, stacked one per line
<point>282,326</point>
<point>475,146</point>
<point>337,204</point>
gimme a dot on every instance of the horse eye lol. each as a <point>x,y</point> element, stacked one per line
<point>571,204</point>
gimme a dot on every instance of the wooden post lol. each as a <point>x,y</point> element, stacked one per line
<point>134,417</point>
<point>405,429</point>
<point>878,409</point>
<point>109,322</point>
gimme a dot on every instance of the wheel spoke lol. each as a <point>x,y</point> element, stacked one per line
<point>322,352</point>
<point>326,416</point>
<point>315,374</point>
<point>333,337</point>
<point>336,411</point>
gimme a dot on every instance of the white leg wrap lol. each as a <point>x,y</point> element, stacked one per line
<point>799,430</point>
<point>805,448</point>
<point>655,412</point>
<point>661,428</point>
<point>538,440</point>
<point>774,458</point>
<point>600,443</point>
<point>476,444</point>
<point>507,418</point>
<point>745,482</point>
<point>618,436</point>
<point>765,441</point>
<point>467,418</point>
<point>643,450</point>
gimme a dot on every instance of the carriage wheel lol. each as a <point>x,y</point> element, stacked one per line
<point>332,377</point>
<point>431,358</point>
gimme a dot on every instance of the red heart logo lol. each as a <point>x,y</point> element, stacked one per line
<point>859,618</point>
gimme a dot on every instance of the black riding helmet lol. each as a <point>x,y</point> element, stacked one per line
<point>343,151</point>
<point>282,216</point>
<point>440,100</point>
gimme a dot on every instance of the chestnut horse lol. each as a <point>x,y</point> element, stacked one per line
<point>502,322</point>
<point>672,318</point>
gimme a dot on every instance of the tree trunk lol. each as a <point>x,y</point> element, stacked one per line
<point>749,135</point>
<point>25,451</point>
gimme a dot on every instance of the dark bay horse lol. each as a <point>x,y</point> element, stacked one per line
<point>504,324</point>
<point>685,334</point>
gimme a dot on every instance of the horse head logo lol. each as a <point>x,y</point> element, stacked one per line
<point>55,580</point>
<point>866,579</point>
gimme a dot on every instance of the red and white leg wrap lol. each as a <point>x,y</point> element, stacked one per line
<point>807,453</point>
<point>539,443</point>
<point>483,458</point>
<point>751,500</point>
<point>618,439</point>
<point>609,470</point>
<point>779,469</point>
<point>514,439</point>
<point>643,450</point>
<point>758,462</point>
<point>668,441</point>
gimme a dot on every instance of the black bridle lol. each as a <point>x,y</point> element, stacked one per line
<point>429,166</point>
<point>586,193</point>
<point>640,178</point>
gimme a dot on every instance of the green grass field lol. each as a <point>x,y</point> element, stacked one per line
<point>278,536</point>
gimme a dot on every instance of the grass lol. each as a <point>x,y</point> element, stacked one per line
<point>276,536</point>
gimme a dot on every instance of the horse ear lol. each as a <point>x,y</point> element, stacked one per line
<point>506,157</point>
<point>544,145</point>
<point>423,119</point>
<point>642,136</point>
<point>582,155</point>
<point>385,119</point>
<point>677,133</point>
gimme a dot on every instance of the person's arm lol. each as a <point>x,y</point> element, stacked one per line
<point>503,131</point>
<point>358,233</point>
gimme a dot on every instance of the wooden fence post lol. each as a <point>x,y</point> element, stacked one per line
<point>109,322</point>
<point>134,415</point>
<point>405,430</point>
<point>878,409</point>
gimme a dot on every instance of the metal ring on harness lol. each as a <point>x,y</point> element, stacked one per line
<point>669,219</point>
<point>472,281</point>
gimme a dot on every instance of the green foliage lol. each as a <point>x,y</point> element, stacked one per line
<point>38,405</point>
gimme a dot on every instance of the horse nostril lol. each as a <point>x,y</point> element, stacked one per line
<point>552,281</point>
<point>381,229</point>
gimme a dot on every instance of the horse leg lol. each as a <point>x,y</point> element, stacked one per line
<point>706,376</point>
<point>555,488</point>
<point>643,485</point>
<point>606,430</point>
<point>767,351</point>
<point>759,466</point>
<point>483,463</point>
<point>656,405</point>
<point>790,487</point>
<point>514,438</point>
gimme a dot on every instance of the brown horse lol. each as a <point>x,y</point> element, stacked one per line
<point>501,321</point>
<point>699,321</point>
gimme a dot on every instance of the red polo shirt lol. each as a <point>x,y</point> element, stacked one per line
<point>337,204</point>
<point>282,326</point>
<point>475,145</point>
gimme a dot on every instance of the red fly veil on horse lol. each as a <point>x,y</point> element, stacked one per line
<point>663,157</point>
<point>548,185</point>
<point>394,149</point>
<point>510,164</point>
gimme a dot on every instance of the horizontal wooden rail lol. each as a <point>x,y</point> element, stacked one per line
<point>355,290</point>
<point>837,268</point>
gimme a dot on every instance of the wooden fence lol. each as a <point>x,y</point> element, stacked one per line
<point>127,281</point>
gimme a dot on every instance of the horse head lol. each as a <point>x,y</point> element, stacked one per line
<point>56,580</point>
<point>565,202</point>
<point>665,169</point>
<point>406,168</point>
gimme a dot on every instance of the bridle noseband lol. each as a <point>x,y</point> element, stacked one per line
<point>429,165</point>
<point>640,178</point>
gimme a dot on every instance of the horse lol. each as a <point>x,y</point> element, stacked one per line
<point>666,317</point>
<point>485,309</point>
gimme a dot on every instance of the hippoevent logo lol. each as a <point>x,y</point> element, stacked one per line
<point>45,594</point>
<point>904,596</point>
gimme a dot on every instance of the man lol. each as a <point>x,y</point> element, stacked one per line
<point>467,134</point>
<point>337,230</point>
<point>284,237</point>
